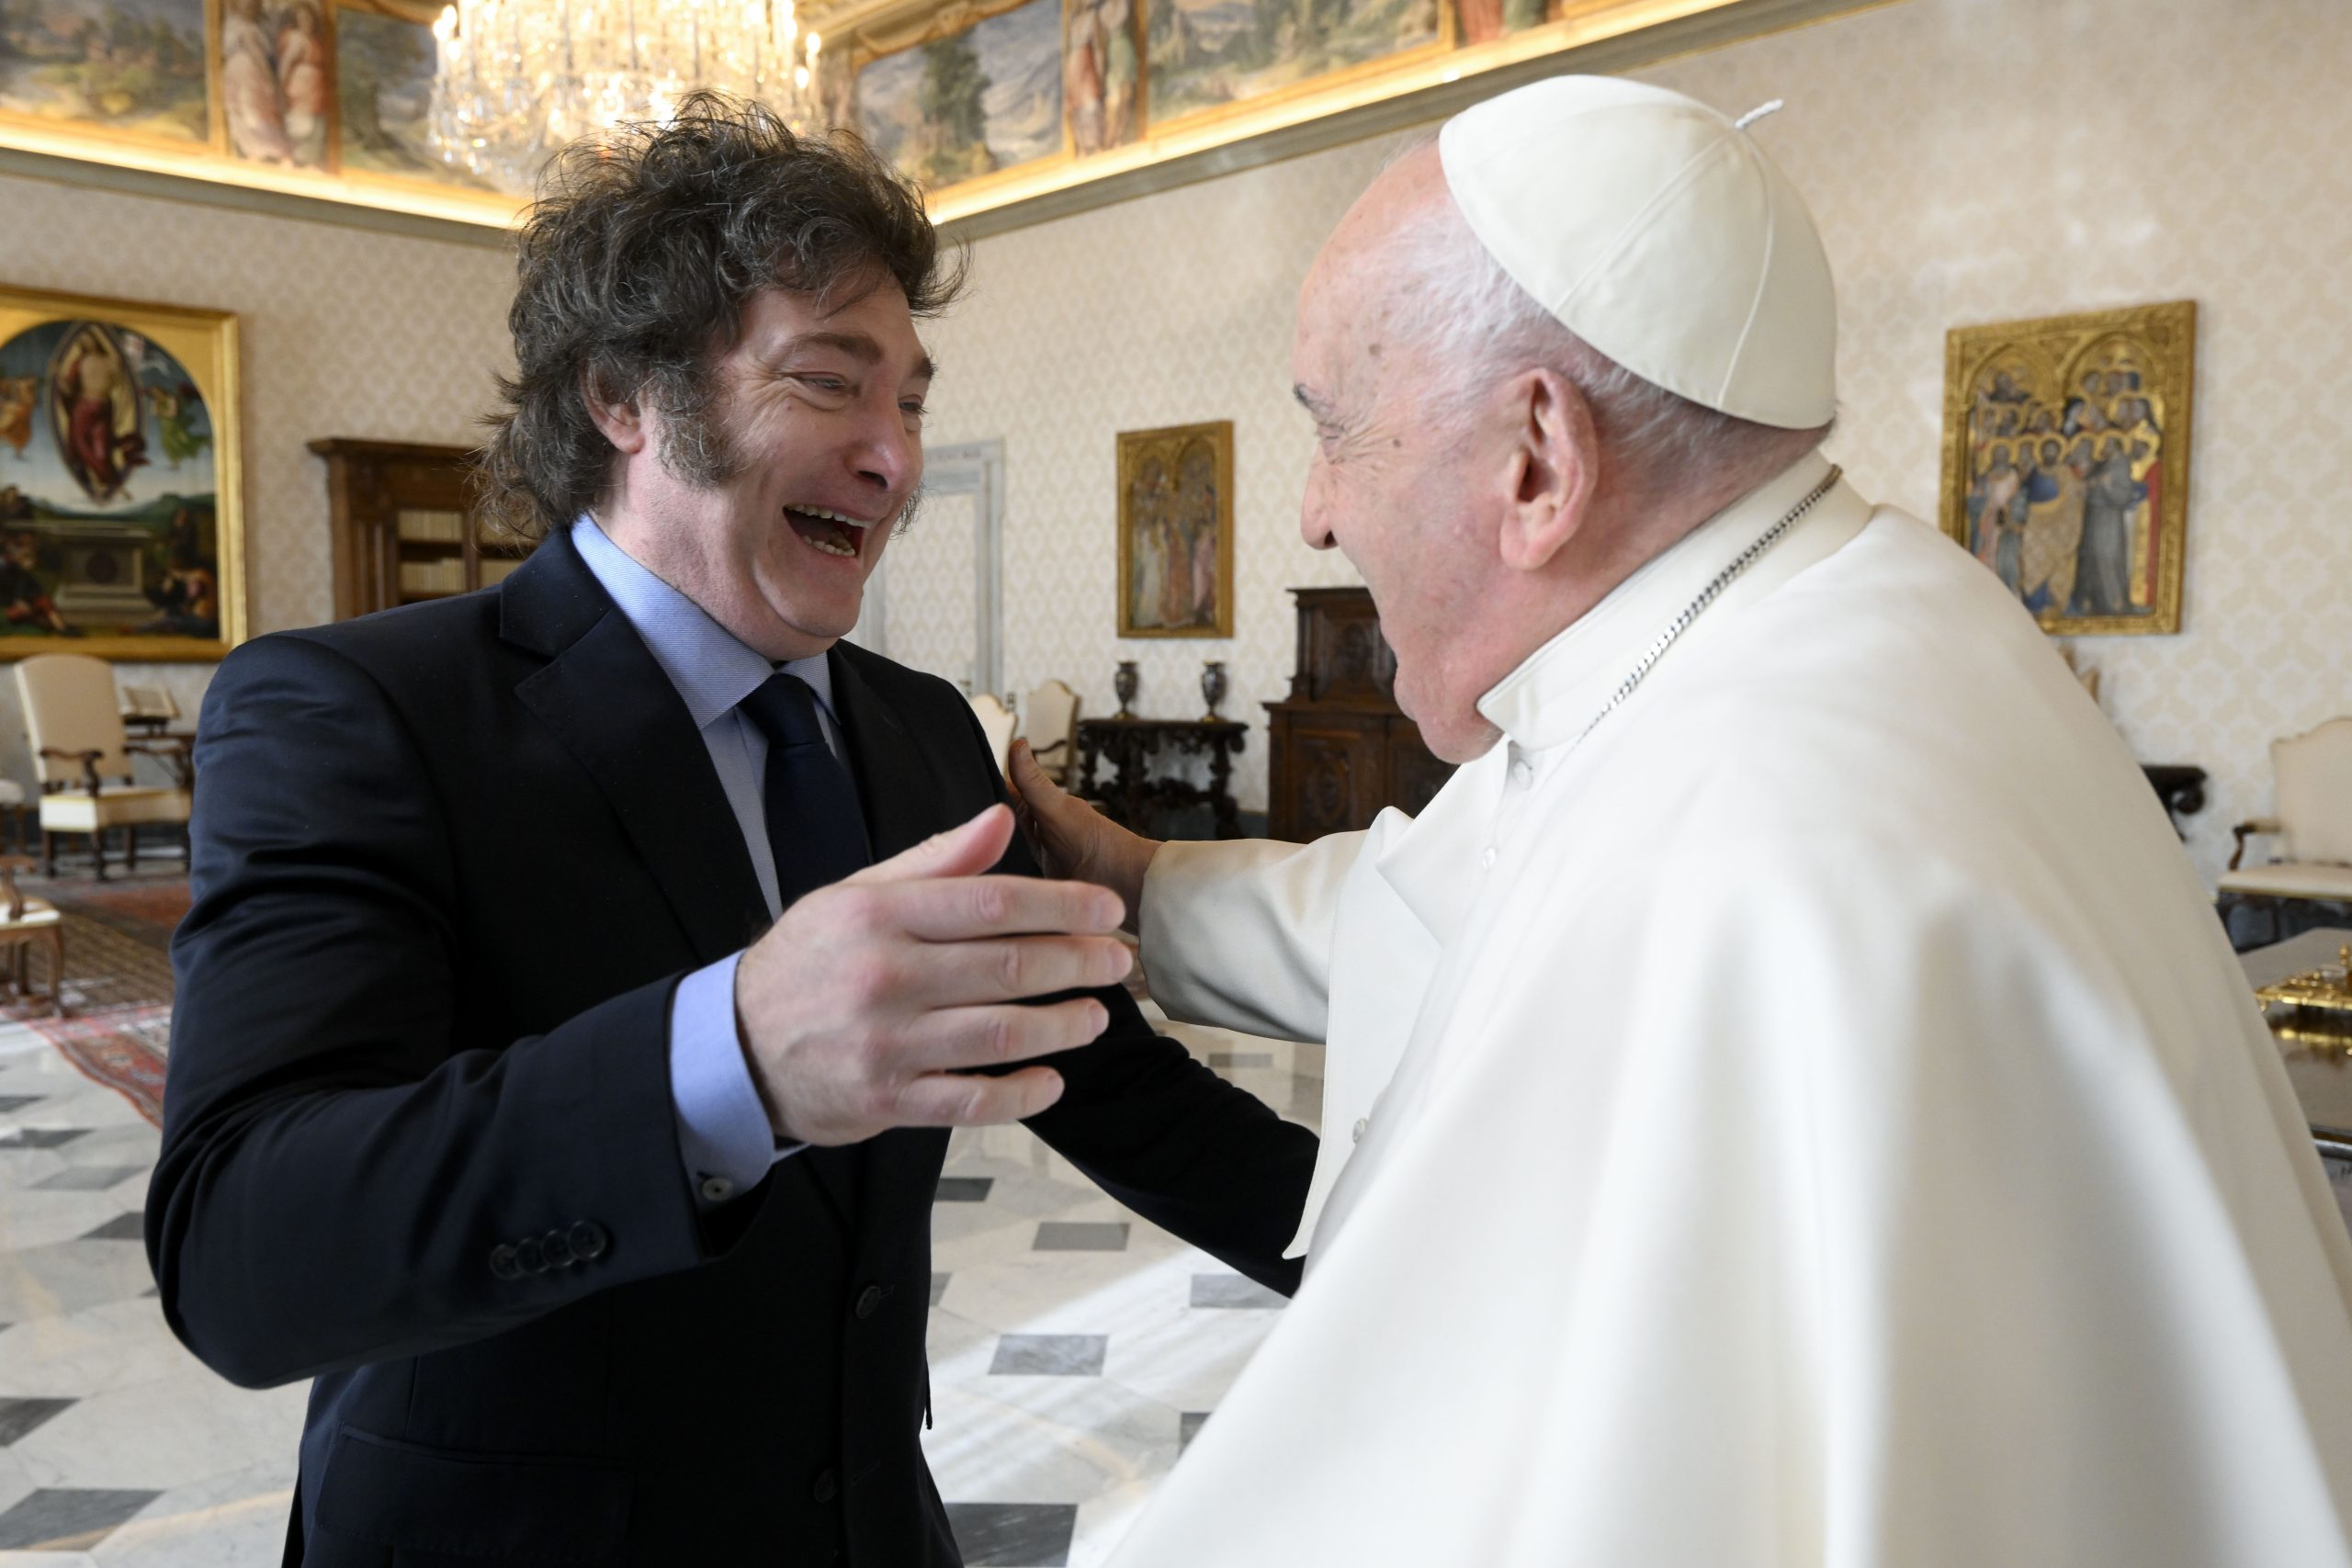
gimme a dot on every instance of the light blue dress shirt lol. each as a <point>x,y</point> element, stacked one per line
<point>723,1131</point>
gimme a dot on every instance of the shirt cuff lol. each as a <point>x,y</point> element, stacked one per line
<point>723,1133</point>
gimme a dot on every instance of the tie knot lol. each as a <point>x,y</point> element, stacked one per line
<point>785,711</point>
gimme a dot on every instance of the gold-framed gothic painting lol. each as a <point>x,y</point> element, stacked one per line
<point>1176,531</point>
<point>2065,462</point>
<point>120,529</point>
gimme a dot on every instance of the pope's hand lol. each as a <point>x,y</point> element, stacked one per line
<point>859,1008</point>
<point>1073,840</point>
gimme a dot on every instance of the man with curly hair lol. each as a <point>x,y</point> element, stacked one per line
<point>583,974</point>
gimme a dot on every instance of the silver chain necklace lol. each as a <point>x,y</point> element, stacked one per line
<point>1707,595</point>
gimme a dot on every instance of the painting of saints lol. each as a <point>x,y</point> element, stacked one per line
<point>302,81</point>
<point>109,520</point>
<point>1196,502</point>
<point>20,396</point>
<point>25,609</point>
<point>1176,531</point>
<point>175,407</point>
<point>1099,74</point>
<point>274,82</point>
<point>2103,559</point>
<point>1148,544</point>
<point>94,409</point>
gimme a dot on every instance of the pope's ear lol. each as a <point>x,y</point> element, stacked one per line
<point>1554,463</point>
<point>618,417</point>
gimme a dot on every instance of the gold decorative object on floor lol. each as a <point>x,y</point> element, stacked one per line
<point>2317,1004</point>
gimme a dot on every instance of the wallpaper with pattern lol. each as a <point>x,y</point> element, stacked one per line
<point>1969,161</point>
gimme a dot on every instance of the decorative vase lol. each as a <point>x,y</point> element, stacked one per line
<point>1213,683</point>
<point>1123,686</point>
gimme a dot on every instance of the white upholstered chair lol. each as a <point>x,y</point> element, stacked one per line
<point>2310,836</point>
<point>996,721</point>
<point>74,720</point>
<point>1049,723</point>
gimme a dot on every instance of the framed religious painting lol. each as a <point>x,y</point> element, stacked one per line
<point>120,530</point>
<point>1176,531</point>
<point>2065,462</point>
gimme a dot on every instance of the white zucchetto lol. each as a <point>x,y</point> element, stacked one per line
<point>1658,233</point>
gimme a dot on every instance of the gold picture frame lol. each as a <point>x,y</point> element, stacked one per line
<point>1176,531</point>
<point>121,479</point>
<point>2065,462</point>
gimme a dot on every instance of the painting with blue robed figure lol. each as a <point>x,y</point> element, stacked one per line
<point>2066,463</point>
<point>117,463</point>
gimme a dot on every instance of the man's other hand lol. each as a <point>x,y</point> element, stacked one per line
<point>1073,840</point>
<point>859,1008</point>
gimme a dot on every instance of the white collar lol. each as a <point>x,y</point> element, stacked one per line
<point>1556,691</point>
<point>1552,698</point>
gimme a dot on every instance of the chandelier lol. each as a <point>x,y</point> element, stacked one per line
<point>517,79</point>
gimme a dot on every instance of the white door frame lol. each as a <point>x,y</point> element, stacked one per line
<point>975,469</point>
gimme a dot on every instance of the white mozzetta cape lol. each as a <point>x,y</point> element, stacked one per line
<point>1816,1121</point>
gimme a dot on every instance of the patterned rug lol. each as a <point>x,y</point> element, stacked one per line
<point>118,988</point>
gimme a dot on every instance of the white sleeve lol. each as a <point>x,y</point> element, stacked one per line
<point>1236,933</point>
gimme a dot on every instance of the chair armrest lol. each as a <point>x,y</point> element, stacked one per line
<point>1060,748</point>
<point>176,752</point>
<point>89,760</point>
<point>2248,828</point>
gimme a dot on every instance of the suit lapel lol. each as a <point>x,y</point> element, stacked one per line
<point>616,711</point>
<point>896,784</point>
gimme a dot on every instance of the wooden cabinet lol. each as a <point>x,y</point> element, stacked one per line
<point>403,530</point>
<point>1339,748</point>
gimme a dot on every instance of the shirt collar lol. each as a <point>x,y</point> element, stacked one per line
<point>711,667</point>
<point>1555,694</point>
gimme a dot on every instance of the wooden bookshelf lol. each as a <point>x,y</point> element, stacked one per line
<point>404,529</point>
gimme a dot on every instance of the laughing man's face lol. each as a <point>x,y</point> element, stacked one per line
<point>816,440</point>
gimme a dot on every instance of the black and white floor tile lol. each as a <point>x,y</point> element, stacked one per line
<point>1076,1348</point>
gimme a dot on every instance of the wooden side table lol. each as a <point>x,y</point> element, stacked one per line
<point>25,921</point>
<point>1132,745</point>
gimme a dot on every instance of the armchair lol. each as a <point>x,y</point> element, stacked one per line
<point>74,720</point>
<point>2311,834</point>
<point>996,720</point>
<point>1049,723</point>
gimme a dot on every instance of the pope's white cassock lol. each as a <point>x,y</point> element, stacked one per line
<point>1815,1120</point>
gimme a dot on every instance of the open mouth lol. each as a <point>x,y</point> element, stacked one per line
<point>830,532</point>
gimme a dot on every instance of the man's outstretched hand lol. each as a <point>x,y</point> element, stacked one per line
<point>859,1008</point>
<point>1073,840</point>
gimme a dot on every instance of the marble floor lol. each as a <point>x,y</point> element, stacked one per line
<point>1075,1348</point>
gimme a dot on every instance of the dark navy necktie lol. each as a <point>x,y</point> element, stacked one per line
<point>816,829</point>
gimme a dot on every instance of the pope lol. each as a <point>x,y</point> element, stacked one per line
<point>1788,1100</point>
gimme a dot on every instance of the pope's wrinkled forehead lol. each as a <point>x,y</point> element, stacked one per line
<point>1351,293</point>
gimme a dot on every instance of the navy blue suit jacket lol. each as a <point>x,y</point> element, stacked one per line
<point>449,864</point>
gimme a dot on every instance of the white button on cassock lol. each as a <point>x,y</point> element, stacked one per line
<point>1356,1136</point>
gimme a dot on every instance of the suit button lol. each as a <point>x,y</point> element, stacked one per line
<point>528,1254</point>
<point>502,1263</point>
<point>558,1250</point>
<point>717,1190</point>
<point>827,1485</point>
<point>588,1240</point>
<point>869,1301</point>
